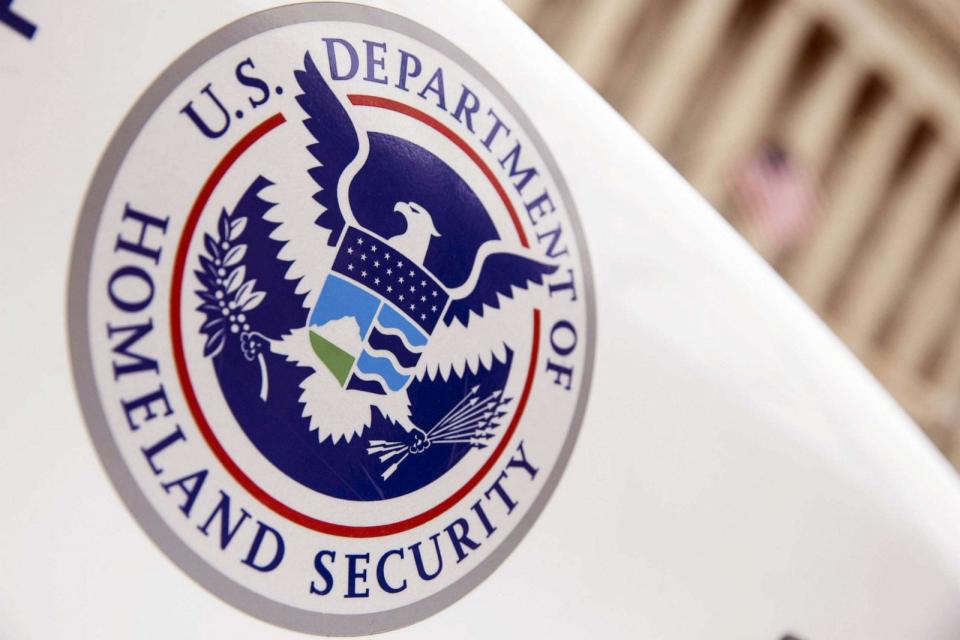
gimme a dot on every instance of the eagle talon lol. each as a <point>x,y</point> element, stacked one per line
<point>421,442</point>
<point>252,344</point>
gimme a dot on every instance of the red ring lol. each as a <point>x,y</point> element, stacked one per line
<point>183,374</point>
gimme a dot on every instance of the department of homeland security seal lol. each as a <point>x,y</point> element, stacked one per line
<point>331,318</point>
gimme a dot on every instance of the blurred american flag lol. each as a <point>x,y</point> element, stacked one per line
<point>777,200</point>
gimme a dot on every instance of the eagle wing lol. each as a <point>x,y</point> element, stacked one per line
<point>310,229</point>
<point>333,143</point>
<point>473,332</point>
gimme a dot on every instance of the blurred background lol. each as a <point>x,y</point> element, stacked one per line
<point>827,132</point>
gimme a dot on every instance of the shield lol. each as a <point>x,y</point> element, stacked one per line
<point>374,315</point>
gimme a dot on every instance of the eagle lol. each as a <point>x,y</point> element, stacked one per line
<point>502,280</point>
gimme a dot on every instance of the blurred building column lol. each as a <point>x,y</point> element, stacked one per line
<point>948,373</point>
<point>737,120</point>
<point>685,52</point>
<point>814,123</point>
<point>882,274</point>
<point>932,304</point>
<point>526,9</point>
<point>597,37</point>
<point>852,196</point>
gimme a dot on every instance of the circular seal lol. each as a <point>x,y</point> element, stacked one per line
<point>331,318</point>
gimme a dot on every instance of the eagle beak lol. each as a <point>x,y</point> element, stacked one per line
<point>407,209</point>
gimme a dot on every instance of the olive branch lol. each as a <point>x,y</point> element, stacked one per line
<point>228,296</point>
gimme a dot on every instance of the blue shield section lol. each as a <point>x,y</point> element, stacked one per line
<point>378,366</point>
<point>390,319</point>
<point>342,299</point>
<point>387,358</point>
<point>392,343</point>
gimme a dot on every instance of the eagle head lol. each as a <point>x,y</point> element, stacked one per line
<point>415,241</point>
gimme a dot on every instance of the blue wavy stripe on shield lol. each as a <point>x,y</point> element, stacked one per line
<point>393,344</point>
<point>374,366</point>
<point>392,319</point>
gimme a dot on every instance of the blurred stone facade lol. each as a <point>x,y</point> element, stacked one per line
<point>863,98</point>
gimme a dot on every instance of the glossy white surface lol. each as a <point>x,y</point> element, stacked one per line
<point>738,475</point>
